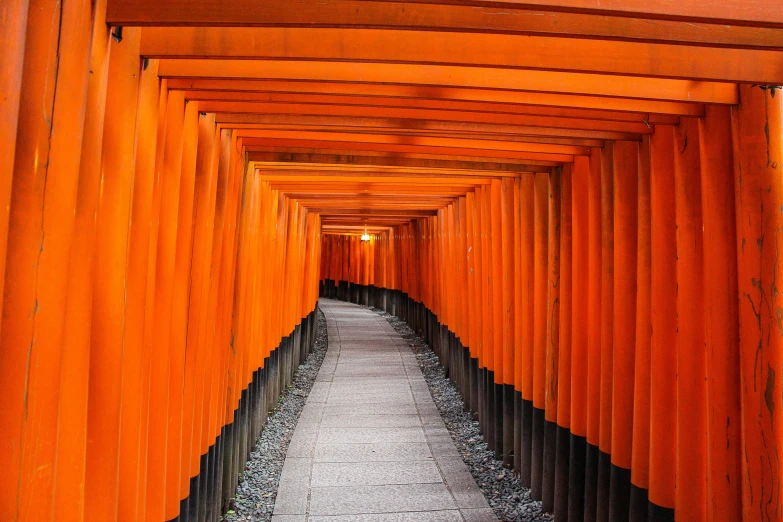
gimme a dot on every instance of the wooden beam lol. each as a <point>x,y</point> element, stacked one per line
<point>424,103</point>
<point>423,126</point>
<point>379,213</point>
<point>455,76</point>
<point>431,97</point>
<point>503,18</point>
<point>422,141</point>
<point>326,157</point>
<point>465,49</point>
<point>366,182</point>
<point>400,116</point>
<point>353,143</point>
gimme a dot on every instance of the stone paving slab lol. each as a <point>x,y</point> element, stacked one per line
<point>370,445</point>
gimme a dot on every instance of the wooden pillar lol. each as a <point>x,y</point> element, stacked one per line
<point>540,283</point>
<point>607,329</point>
<point>663,313</point>
<point>165,261</point>
<point>525,366</point>
<point>552,340</point>
<point>580,219</point>
<point>179,317</point>
<point>626,208</point>
<point>690,502</point>
<point>509,314</point>
<point>136,359</point>
<point>204,214</point>
<point>594,324</point>
<point>75,364</point>
<point>758,156</point>
<point>103,431</point>
<point>640,459</point>
<point>566,320</point>
<point>721,333</point>
<point>38,190</point>
<point>13,20</point>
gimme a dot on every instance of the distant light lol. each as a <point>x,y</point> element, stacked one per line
<point>365,237</point>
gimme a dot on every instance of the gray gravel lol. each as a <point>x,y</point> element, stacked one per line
<point>510,501</point>
<point>255,499</point>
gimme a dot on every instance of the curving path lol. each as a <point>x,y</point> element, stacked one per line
<point>370,445</point>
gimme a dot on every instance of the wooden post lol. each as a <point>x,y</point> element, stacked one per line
<point>758,156</point>
<point>663,350</point>
<point>721,337</point>
<point>626,209</point>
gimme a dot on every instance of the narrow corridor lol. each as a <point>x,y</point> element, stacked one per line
<point>370,444</point>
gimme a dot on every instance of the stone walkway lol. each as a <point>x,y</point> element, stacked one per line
<point>370,445</point>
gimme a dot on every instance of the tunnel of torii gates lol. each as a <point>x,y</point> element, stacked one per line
<point>578,203</point>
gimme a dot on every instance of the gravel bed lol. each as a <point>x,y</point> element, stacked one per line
<point>510,501</point>
<point>256,494</point>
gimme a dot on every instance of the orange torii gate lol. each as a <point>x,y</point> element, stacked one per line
<point>576,202</point>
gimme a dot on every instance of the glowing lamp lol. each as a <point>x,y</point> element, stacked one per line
<point>365,237</point>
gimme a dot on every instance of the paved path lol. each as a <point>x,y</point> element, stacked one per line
<point>370,445</point>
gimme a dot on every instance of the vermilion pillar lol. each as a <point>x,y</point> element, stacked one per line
<point>640,459</point>
<point>724,458</point>
<point>691,363</point>
<point>758,156</point>
<point>626,210</point>
<point>663,359</point>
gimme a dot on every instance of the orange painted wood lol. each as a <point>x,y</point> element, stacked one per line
<point>626,211</point>
<point>450,94</point>
<point>640,457</point>
<point>495,360</point>
<point>38,218</point>
<point>691,356</point>
<point>509,277</point>
<point>594,302</point>
<point>518,252</point>
<point>136,355</point>
<point>758,154</point>
<point>109,280</point>
<point>75,364</point>
<point>180,370</point>
<point>290,92</point>
<point>540,283</point>
<point>724,458</point>
<point>500,119</point>
<point>607,295</point>
<point>566,297</point>
<point>554,291</point>
<point>474,49</point>
<point>663,350</point>
<point>527,237</point>
<point>158,430</point>
<point>177,12</point>
<point>204,230</point>
<point>150,502</point>
<point>475,264</point>
<point>580,219</point>
<point>453,76</point>
<point>486,275</point>
<point>13,20</point>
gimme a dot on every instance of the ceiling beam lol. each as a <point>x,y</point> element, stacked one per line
<point>548,53</point>
<point>424,103</point>
<point>433,97</point>
<point>644,21</point>
<point>455,76</point>
<point>329,158</point>
<point>356,144</point>
<point>399,116</point>
<point>430,126</point>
